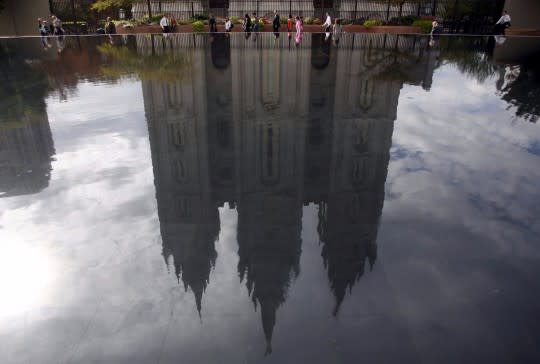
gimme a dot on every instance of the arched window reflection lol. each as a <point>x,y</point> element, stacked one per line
<point>358,170</point>
<point>269,151</point>
<point>360,136</point>
<point>177,134</point>
<point>180,171</point>
<point>223,133</point>
<point>171,94</point>
<point>183,207</point>
<point>366,94</point>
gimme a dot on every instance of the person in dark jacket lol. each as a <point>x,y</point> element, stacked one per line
<point>276,24</point>
<point>212,24</point>
<point>110,28</point>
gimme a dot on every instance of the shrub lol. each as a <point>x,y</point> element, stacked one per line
<point>373,23</point>
<point>200,17</point>
<point>198,26</point>
<point>317,21</point>
<point>154,19</point>
<point>308,20</point>
<point>404,20</point>
<point>235,20</point>
<point>283,20</point>
<point>425,25</point>
<point>345,22</point>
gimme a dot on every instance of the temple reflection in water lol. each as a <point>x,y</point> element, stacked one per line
<point>26,144</point>
<point>268,132</point>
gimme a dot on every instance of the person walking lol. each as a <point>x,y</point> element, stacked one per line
<point>255,20</point>
<point>503,23</point>
<point>246,24</point>
<point>57,26</point>
<point>110,28</point>
<point>44,32</point>
<point>276,24</point>
<point>164,24</point>
<point>228,25</point>
<point>337,30</point>
<point>212,24</point>
<point>328,23</point>
<point>289,25</point>
<point>299,31</point>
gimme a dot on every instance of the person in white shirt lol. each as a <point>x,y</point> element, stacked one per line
<point>228,25</point>
<point>503,23</point>
<point>328,23</point>
<point>164,24</point>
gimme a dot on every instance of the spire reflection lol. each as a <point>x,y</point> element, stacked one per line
<point>268,130</point>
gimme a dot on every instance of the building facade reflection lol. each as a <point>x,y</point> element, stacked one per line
<point>26,144</point>
<point>269,129</point>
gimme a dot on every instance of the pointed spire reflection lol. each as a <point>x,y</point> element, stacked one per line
<point>268,134</point>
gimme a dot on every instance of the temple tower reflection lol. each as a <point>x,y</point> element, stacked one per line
<point>26,144</point>
<point>269,129</point>
<point>177,123</point>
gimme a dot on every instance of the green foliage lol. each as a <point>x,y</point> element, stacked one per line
<point>200,17</point>
<point>308,20</point>
<point>235,20</point>
<point>103,5</point>
<point>198,26</point>
<point>123,62</point>
<point>425,25</point>
<point>403,20</point>
<point>373,23</point>
<point>317,21</point>
<point>154,19</point>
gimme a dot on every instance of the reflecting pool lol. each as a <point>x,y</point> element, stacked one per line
<point>202,199</point>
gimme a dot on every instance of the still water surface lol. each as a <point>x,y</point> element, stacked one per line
<point>222,200</point>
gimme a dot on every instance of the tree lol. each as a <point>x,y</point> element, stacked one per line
<point>104,5</point>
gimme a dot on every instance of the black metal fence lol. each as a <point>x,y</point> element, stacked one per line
<point>465,16</point>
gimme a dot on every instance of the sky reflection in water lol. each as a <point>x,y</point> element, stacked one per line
<point>248,201</point>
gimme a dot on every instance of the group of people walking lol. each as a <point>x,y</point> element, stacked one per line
<point>252,23</point>
<point>48,28</point>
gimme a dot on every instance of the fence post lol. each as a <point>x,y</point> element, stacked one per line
<point>149,9</point>
<point>388,10</point>
<point>434,8</point>
<point>74,15</point>
<point>159,7</point>
<point>290,6</point>
<point>355,8</point>
<point>192,11</point>
<point>454,27</point>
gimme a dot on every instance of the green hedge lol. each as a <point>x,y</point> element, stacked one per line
<point>373,23</point>
<point>424,24</point>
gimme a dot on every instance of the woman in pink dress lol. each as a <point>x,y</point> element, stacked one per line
<point>299,30</point>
